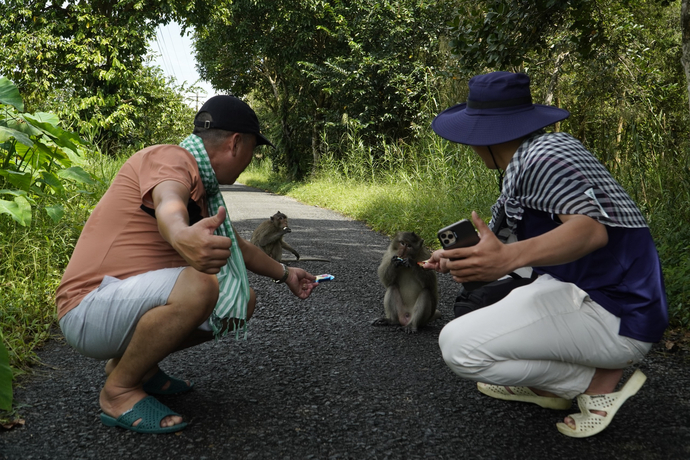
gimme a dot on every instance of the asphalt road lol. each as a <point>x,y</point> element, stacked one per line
<point>314,380</point>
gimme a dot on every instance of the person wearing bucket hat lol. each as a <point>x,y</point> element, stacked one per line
<point>598,303</point>
<point>158,266</point>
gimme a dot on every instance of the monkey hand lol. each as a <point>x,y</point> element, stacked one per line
<point>406,263</point>
<point>399,261</point>
<point>300,282</point>
<point>200,247</point>
<point>286,230</point>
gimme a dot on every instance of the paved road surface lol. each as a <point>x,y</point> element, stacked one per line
<point>315,381</point>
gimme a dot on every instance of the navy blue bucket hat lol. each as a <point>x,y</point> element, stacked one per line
<point>499,109</point>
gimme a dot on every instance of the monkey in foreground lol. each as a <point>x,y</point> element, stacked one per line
<point>269,236</point>
<point>411,292</point>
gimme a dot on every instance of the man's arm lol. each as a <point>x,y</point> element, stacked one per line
<point>299,281</point>
<point>577,236</point>
<point>197,244</point>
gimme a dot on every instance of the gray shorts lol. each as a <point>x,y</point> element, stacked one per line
<point>102,325</point>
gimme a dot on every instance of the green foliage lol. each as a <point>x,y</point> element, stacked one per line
<point>508,33</point>
<point>675,254</point>
<point>32,261</point>
<point>417,187</point>
<point>312,63</point>
<point>86,61</point>
<point>36,159</point>
<point>151,111</point>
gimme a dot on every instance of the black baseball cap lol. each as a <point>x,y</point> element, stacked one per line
<point>229,113</point>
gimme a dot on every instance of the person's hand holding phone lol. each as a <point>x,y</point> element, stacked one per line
<point>461,234</point>
<point>486,261</point>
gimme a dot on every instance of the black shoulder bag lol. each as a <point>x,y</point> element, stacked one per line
<point>473,296</point>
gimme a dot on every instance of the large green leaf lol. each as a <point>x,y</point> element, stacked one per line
<point>47,118</point>
<point>5,191</point>
<point>21,180</point>
<point>9,133</point>
<point>47,153</point>
<point>9,94</point>
<point>77,174</point>
<point>55,212</point>
<point>5,379</point>
<point>57,134</point>
<point>19,210</point>
<point>52,181</point>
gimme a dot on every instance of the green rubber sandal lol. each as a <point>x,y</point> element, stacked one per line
<point>151,412</point>
<point>155,384</point>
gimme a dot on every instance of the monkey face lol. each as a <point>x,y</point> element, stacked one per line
<point>407,245</point>
<point>280,221</point>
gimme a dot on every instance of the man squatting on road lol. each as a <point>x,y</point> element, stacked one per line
<point>158,267</point>
<point>599,301</point>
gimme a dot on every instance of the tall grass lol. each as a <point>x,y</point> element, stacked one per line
<point>661,187</point>
<point>417,187</point>
<point>32,261</point>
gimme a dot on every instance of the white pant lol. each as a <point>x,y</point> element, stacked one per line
<point>547,335</point>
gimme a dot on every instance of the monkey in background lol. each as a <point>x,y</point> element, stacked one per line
<point>269,236</point>
<point>411,292</point>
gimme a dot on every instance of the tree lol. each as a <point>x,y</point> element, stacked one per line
<point>312,62</point>
<point>88,59</point>
<point>612,63</point>
<point>255,48</point>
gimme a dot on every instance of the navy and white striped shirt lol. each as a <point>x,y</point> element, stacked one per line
<point>553,174</point>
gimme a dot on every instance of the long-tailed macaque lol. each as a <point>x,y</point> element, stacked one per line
<point>411,292</point>
<point>269,236</point>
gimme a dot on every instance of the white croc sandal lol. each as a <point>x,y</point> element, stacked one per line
<point>524,394</point>
<point>589,424</point>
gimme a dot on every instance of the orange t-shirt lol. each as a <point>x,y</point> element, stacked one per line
<point>119,238</point>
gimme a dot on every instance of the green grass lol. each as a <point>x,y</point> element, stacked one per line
<point>32,261</point>
<point>409,192</point>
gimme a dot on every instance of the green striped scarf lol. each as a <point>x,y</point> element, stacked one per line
<point>234,285</point>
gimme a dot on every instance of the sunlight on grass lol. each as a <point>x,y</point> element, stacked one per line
<point>409,192</point>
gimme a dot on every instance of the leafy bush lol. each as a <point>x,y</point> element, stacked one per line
<point>37,158</point>
<point>41,170</point>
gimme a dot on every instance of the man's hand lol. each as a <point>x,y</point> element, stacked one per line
<point>300,282</point>
<point>199,246</point>
<point>488,260</point>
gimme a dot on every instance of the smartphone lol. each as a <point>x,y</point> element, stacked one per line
<point>461,234</point>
